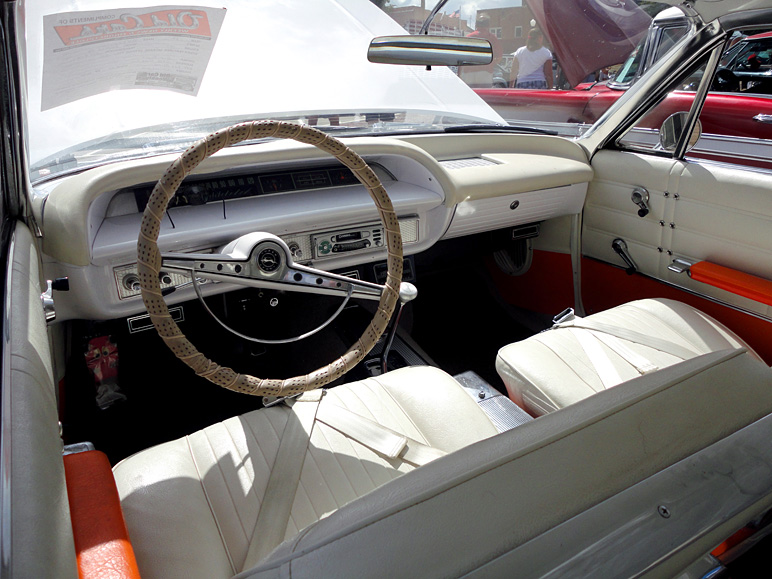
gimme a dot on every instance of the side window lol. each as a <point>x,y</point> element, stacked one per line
<point>668,37</point>
<point>736,125</point>
<point>737,115</point>
<point>746,67</point>
<point>645,134</point>
<point>629,69</point>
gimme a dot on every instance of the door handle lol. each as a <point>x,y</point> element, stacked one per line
<point>640,197</point>
<point>763,118</point>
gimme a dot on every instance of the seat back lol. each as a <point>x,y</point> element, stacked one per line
<point>471,508</point>
<point>37,534</point>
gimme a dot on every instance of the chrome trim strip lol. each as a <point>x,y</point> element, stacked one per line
<point>697,104</point>
<point>5,420</point>
<point>12,181</point>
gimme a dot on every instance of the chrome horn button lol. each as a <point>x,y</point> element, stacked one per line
<point>268,259</point>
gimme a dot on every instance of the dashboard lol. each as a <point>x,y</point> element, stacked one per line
<point>442,186</point>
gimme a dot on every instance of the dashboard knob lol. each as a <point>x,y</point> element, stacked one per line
<point>131,282</point>
<point>295,250</point>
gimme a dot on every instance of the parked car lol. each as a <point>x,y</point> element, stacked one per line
<point>739,96</point>
<point>746,66</point>
<point>367,327</point>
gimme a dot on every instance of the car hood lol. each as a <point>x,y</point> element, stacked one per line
<point>588,35</point>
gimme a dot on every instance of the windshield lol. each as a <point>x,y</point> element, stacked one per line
<point>114,80</point>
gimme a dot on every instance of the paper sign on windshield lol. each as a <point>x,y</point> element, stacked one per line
<point>162,47</point>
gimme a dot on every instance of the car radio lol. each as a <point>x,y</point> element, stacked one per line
<point>332,243</point>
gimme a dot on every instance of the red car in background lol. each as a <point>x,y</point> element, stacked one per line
<point>739,106</point>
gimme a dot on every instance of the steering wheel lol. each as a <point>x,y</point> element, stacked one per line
<point>263,260</point>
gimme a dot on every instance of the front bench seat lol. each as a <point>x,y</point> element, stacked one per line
<point>543,499</point>
<point>582,356</point>
<point>191,505</point>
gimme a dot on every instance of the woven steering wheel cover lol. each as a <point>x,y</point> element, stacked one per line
<point>149,259</point>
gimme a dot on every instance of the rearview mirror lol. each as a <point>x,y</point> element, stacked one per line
<point>427,50</point>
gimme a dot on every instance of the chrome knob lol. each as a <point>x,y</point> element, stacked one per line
<point>407,292</point>
<point>295,251</point>
<point>131,282</point>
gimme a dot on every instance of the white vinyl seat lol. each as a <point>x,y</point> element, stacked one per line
<point>582,356</point>
<point>191,505</point>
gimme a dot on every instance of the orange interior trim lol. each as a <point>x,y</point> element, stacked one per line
<point>547,288</point>
<point>733,541</point>
<point>742,284</point>
<point>102,541</point>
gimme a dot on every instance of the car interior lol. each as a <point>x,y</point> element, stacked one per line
<point>153,417</point>
<point>404,355</point>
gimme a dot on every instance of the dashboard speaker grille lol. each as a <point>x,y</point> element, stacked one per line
<point>409,230</point>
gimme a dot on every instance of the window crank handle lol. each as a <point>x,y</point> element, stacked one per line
<point>620,247</point>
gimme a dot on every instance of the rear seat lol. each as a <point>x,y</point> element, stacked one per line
<point>581,356</point>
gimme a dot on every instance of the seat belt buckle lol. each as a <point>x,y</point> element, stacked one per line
<point>564,316</point>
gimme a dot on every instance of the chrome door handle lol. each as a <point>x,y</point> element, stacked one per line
<point>640,197</point>
<point>763,118</point>
<point>680,265</point>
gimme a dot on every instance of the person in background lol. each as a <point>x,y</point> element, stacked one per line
<point>532,66</point>
<point>482,76</point>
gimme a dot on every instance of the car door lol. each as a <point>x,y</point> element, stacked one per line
<point>677,217</point>
<point>35,529</point>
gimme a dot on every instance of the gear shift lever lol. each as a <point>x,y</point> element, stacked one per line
<point>407,293</point>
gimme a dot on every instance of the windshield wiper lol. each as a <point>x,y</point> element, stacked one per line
<point>497,129</point>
